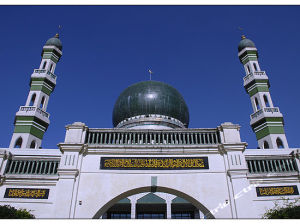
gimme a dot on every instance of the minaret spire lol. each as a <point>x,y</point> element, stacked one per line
<point>32,119</point>
<point>266,120</point>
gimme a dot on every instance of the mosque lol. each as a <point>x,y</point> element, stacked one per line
<point>150,165</point>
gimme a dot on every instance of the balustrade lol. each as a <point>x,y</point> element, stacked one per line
<point>39,110</point>
<point>256,166</point>
<point>164,137</point>
<point>31,167</point>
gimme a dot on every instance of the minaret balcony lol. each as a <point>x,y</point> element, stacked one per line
<point>265,112</point>
<point>43,73</point>
<point>254,75</point>
<point>34,111</point>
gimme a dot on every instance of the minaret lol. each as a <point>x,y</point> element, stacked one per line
<point>32,119</point>
<point>266,120</point>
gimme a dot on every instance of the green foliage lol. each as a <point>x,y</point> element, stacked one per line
<point>289,210</point>
<point>8,212</point>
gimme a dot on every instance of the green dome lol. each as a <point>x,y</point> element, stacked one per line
<point>245,43</point>
<point>150,97</point>
<point>54,41</point>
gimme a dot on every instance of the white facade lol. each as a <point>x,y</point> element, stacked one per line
<point>81,189</point>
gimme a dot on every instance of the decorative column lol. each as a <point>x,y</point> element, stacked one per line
<point>32,119</point>
<point>266,120</point>
<point>69,170</point>
<point>133,208</point>
<point>169,208</point>
<point>236,168</point>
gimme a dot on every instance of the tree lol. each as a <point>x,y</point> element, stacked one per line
<point>8,212</point>
<point>289,210</point>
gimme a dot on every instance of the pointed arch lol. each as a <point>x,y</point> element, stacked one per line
<point>255,67</point>
<point>42,102</point>
<point>51,66</point>
<point>32,144</point>
<point>19,142</point>
<point>257,104</point>
<point>44,65</point>
<point>248,69</point>
<point>266,145</point>
<point>32,100</point>
<point>279,143</point>
<point>266,100</point>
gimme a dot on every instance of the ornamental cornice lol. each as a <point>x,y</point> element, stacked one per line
<point>72,147</point>
<point>237,173</point>
<point>77,125</point>
<point>34,180</point>
<point>228,147</point>
<point>228,125</point>
<point>67,173</point>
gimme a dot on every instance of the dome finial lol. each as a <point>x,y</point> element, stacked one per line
<point>56,35</point>
<point>243,37</point>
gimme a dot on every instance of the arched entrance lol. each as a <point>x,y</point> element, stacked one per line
<point>181,205</point>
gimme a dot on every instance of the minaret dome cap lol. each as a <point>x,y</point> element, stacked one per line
<point>54,41</point>
<point>245,43</point>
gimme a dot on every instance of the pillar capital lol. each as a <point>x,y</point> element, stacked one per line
<point>76,132</point>
<point>230,133</point>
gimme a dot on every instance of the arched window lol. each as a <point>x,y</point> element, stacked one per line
<point>51,67</point>
<point>257,104</point>
<point>19,143</point>
<point>279,143</point>
<point>32,145</point>
<point>255,67</point>
<point>42,102</point>
<point>266,101</point>
<point>248,68</point>
<point>266,145</point>
<point>44,65</point>
<point>32,99</point>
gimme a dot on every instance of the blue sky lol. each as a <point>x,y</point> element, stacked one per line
<point>192,48</point>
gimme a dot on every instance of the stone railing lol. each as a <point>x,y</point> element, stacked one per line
<point>51,74</point>
<point>152,137</point>
<point>39,110</point>
<point>46,72</point>
<point>31,167</point>
<point>271,165</point>
<point>266,110</point>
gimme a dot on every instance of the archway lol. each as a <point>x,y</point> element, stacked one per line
<point>131,192</point>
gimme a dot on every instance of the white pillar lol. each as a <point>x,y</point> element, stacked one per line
<point>133,209</point>
<point>169,209</point>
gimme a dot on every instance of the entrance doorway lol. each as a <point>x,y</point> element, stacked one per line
<point>150,205</point>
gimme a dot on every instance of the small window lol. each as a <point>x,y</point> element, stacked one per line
<point>42,102</point>
<point>44,65</point>
<point>32,145</point>
<point>279,143</point>
<point>266,145</point>
<point>51,67</point>
<point>32,100</point>
<point>266,101</point>
<point>257,104</point>
<point>255,67</point>
<point>248,68</point>
<point>19,143</point>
